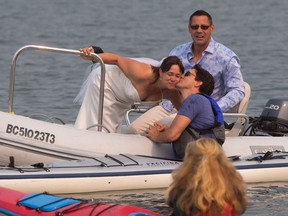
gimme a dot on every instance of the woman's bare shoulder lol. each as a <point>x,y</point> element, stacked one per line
<point>140,69</point>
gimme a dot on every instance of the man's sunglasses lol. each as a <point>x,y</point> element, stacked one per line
<point>203,27</point>
<point>188,73</point>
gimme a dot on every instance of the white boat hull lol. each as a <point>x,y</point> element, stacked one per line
<point>122,172</point>
<point>73,143</point>
<point>65,142</point>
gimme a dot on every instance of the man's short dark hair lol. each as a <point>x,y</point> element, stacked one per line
<point>206,78</point>
<point>201,13</point>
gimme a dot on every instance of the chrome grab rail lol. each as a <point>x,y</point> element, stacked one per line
<point>59,50</point>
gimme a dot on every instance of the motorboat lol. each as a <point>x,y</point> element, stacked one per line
<point>60,147</point>
<point>18,203</point>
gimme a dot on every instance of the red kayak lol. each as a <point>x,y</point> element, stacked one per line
<point>15,203</point>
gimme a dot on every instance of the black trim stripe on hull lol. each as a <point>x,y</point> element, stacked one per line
<point>114,173</point>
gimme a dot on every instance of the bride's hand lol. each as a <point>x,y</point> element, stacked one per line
<point>86,51</point>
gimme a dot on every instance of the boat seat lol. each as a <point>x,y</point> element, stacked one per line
<point>238,114</point>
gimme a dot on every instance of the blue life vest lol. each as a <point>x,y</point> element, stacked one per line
<point>219,119</point>
<point>189,134</point>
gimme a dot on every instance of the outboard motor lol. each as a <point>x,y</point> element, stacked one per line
<point>274,117</point>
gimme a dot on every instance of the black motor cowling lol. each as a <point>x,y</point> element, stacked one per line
<point>274,117</point>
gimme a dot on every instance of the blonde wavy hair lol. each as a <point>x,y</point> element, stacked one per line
<point>206,182</point>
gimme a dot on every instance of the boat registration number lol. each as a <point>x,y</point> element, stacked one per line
<point>29,133</point>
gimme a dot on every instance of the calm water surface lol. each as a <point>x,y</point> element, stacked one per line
<point>264,199</point>
<point>255,29</point>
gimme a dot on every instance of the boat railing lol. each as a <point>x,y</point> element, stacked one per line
<point>57,50</point>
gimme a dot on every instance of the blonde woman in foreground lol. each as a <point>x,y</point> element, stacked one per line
<point>206,184</point>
